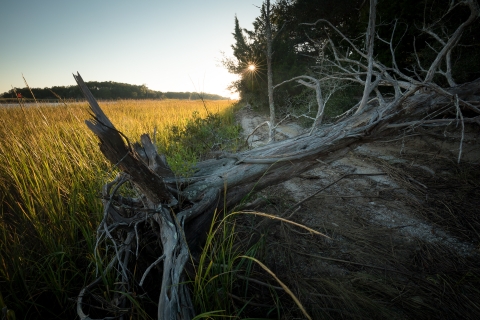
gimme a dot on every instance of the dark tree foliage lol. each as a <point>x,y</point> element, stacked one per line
<point>293,50</point>
<point>242,51</point>
<point>344,14</point>
<point>411,17</point>
<point>297,47</point>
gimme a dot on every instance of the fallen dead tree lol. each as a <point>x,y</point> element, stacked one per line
<point>181,208</point>
<point>170,215</point>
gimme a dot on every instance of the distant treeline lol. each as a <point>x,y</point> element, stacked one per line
<point>107,90</point>
<point>192,96</point>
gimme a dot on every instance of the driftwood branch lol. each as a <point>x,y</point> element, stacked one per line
<point>241,173</point>
<point>123,155</point>
<point>178,228</point>
<point>370,37</point>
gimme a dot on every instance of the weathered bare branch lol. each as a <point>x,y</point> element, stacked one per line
<point>179,226</point>
<point>256,128</point>
<point>312,83</point>
<point>370,37</point>
<point>115,150</point>
<point>453,40</point>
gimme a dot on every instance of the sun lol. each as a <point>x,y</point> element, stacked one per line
<point>251,72</point>
<point>251,67</point>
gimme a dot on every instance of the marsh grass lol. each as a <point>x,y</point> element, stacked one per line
<point>221,286</point>
<point>51,172</point>
<point>231,281</point>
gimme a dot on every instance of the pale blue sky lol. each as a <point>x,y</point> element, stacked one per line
<point>170,45</point>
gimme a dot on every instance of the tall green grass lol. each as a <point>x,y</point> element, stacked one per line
<point>51,172</point>
<point>221,284</point>
<point>231,282</point>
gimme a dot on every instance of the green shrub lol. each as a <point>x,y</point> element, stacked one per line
<point>198,138</point>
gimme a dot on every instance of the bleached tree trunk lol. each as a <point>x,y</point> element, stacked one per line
<point>181,226</point>
<point>177,211</point>
<point>271,104</point>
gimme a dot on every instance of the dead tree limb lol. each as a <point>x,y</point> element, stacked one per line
<point>242,173</point>
<point>176,212</point>
<point>369,42</point>
<point>313,83</point>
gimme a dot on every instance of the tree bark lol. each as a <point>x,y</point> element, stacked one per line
<point>240,174</point>
<point>178,211</point>
<point>271,104</point>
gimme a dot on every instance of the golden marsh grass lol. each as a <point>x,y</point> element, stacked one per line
<point>51,171</point>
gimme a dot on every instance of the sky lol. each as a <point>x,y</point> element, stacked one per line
<point>169,45</point>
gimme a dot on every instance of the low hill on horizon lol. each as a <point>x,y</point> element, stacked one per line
<point>107,90</point>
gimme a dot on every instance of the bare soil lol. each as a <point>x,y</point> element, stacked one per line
<point>403,227</point>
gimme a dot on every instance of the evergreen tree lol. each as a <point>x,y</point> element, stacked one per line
<point>298,48</point>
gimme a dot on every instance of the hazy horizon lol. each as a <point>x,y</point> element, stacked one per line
<point>164,92</point>
<point>168,46</point>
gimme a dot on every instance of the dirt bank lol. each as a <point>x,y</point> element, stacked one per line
<point>403,221</point>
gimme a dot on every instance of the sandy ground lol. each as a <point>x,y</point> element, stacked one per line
<point>398,220</point>
<point>384,213</point>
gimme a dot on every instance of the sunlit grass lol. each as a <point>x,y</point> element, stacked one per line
<point>51,172</point>
<point>135,117</point>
